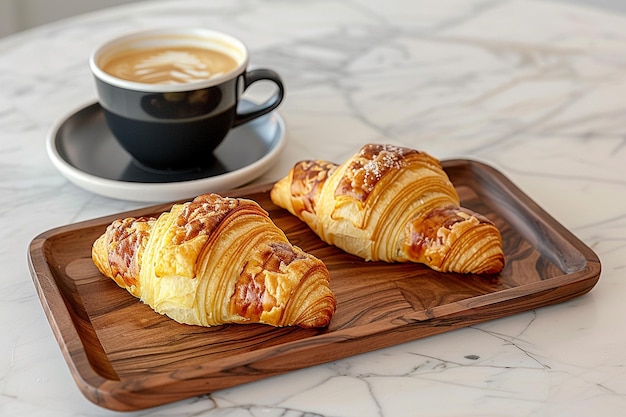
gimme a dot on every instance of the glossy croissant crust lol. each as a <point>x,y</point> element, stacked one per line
<point>393,204</point>
<point>216,260</point>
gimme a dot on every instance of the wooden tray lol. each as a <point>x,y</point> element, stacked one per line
<point>123,356</point>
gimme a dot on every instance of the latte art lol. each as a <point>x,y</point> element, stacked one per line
<point>169,65</point>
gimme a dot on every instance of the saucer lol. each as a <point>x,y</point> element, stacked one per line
<point>83,149</point>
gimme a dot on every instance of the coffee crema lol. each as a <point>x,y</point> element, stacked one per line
<point>169,65</point>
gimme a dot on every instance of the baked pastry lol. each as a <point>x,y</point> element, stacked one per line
<point>393,204</point>
<point>216,260</point>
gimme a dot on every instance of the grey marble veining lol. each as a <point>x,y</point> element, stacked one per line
<point>535,89</point>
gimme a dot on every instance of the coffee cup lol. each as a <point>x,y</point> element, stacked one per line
<point>170,96</point>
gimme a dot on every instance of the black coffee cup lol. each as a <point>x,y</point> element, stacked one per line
<point>170,96</point>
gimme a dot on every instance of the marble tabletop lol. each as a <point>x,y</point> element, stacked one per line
<point>533,88</point>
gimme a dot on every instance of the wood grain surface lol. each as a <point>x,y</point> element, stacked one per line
<point>124,356</point>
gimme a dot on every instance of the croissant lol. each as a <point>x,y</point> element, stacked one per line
<point>391,204</point>
<point>216,260</point>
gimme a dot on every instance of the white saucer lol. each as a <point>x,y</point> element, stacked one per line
<point>84,150</point>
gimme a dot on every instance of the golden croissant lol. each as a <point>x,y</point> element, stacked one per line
<point>391,204</point>
<point>213,261</point>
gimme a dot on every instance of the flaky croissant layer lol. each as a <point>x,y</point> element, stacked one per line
<point>392,204</point>
<point>213,261</point>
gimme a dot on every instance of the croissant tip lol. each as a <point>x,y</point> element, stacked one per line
<point>319,317</point>
<point>316,322</point>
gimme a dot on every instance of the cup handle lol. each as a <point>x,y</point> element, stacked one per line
<point>270,104</point>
